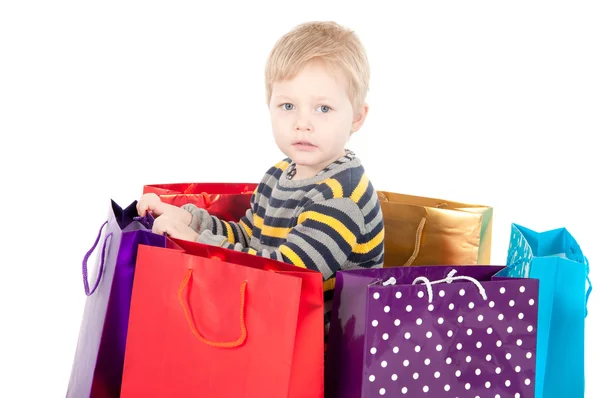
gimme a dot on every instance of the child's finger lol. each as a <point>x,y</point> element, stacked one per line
<point>141,208</point>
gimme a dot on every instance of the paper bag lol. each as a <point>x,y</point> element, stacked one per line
<point>428,231</point>
<point>211,322</point>
<point>227,201</point>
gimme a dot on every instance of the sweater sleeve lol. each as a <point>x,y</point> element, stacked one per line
<point>323,239</point>
<point>238,233</point>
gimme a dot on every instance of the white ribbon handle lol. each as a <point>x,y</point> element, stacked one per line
<point>449,279</point>
<point>390,281</point>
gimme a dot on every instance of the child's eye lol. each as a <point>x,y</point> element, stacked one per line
<point>324,108</point>
<point>287,106</point>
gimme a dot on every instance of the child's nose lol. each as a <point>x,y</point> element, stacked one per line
<point>303,125</point>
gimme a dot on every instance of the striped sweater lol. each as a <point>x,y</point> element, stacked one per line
<point>329,222</point>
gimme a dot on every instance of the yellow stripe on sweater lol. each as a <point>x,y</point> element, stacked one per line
<point>360,189</point>
<point>329,284</point>
<point>334,223</point>
<point>246,228</point>
<point>294,258</point>
<point>366,247</point>
<point>282,165</point>
<point>230,236</point>
<point>275,232</point>
<point>336,187</point>
<point>258,221</point>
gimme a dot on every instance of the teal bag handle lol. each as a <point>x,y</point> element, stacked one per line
<point>520,261</point>
<point>589,281</point>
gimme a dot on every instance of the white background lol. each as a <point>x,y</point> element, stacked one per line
<point>494,103</point>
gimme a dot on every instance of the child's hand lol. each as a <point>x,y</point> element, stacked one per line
<point>173,228</point>
<point>149,202</point>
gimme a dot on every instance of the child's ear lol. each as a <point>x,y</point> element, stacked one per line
<point>359,118</point>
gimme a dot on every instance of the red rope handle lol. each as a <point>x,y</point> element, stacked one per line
<point>225,344</point>
<point>206,198</point>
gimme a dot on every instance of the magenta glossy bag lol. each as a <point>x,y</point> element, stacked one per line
<point>98,364</point>
<point>432,331</point>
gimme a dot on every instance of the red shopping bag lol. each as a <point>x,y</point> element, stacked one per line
<point>228,201</point>
<point>211,322</point>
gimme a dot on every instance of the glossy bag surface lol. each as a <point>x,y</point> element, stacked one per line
<point>227,201</point>
<point>207,321</point>
<point>98,363</point>
<point>430,231</point>
<point>426,337</point>
<point>555,258</point>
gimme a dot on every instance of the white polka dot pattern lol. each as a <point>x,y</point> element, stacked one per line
<point>457,345</point>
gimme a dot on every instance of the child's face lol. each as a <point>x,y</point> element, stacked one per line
<point>312,117</point>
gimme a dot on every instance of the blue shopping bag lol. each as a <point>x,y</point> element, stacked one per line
<point>555,258</point>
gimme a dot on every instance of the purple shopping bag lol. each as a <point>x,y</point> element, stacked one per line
<point>432,331</point>
<point>98,363</point>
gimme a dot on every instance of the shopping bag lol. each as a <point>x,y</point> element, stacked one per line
<point>227,201</point>
<point>428,231</point>
<point>555,258</point>
<point>99,355</point>
<point>432,331</point>
<point>211,322</point>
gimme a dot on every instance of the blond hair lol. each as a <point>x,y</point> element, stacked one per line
<point>324,41</point>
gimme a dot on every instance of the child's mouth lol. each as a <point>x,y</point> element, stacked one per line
<point>304,143</point>
<point>304,146</point>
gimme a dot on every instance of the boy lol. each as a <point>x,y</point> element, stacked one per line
<point>316,208</point>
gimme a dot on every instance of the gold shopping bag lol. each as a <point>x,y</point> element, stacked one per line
<point>428,231</point>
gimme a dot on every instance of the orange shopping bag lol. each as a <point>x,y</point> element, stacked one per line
<point>211,322</point>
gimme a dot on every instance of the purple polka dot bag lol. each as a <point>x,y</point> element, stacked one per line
<point>432,331</point>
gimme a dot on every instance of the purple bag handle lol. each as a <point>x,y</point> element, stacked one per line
<point>86,285</point>
<point>147,220</point>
